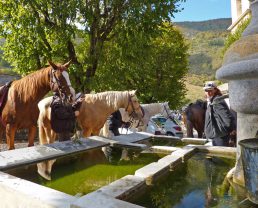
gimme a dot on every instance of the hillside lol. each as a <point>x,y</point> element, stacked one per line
<point>206,42</point>
<point>209,25</point>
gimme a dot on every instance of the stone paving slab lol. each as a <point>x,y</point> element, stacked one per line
<point>185,152</point>
<point>194,140</point>
<point>217,150</point>
<point>16,192</point>
<point>98,200</point>
<point>134,137</point>
<point>124,187</point>
<point>121,142</point>
<point>25,156</point>
<point>152,171</point>
<point>164,149</point>
<point>171,160</point>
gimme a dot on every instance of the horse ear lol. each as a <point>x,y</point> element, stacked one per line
<point>66,65</point>
<point>52,64</point>
<point>132,92</point>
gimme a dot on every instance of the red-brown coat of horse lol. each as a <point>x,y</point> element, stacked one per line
<point>21,108</point>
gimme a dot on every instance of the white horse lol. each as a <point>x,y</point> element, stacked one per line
<point>149,110</point>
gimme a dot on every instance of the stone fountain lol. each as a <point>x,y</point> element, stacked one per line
<point>240,69</point>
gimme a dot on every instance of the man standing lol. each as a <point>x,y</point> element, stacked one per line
<point>219,121</point>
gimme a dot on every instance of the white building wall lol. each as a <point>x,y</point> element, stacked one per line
<point>234,10</point>
<point>245,5</point>
<point>239,10</point>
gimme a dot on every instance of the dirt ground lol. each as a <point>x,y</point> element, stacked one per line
<point>18,144</point>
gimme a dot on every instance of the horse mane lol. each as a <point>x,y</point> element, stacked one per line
<point>29,85</point>
<point>201,103</point>
<point>112,98</point>
<point>152,108</point>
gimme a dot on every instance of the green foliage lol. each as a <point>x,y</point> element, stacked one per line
<point>38,30</point>
<point>119,45</point>
<point>3,63</point>
<point>155,67</point>
<point>233,37</point>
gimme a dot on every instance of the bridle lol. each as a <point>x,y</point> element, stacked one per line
<point>133,114</point>
<point>56,86</point>
<point>130,102</point>
<point>166,110</point>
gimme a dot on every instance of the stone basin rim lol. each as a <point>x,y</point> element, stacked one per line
<point>246,69</point>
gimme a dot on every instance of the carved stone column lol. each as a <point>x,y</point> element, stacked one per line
<point>240,69</point>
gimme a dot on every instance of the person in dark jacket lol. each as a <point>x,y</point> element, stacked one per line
<point>113,154</point>
<point>115,122</point>
<point>219,121</point>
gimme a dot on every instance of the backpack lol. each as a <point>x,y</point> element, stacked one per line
<point>62,116</point>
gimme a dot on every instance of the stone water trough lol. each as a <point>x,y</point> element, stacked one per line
<point>17,192</point>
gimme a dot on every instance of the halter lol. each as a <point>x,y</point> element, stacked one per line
<point>133,114</point>
<point>166,110</point>
<point>56,86</point>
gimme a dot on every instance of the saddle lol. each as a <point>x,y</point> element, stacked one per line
<point>62,116</point>
<point>3,95</point>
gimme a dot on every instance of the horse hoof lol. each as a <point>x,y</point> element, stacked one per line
<point>11,148</point>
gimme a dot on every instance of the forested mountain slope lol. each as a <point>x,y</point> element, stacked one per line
<point>206,41</point>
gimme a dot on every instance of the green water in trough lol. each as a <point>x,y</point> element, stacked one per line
<point>88,172</point>
<point>198,183</point>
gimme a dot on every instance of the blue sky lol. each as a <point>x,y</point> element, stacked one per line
<point>198,10</point>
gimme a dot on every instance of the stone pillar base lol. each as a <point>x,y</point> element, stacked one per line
<point>247,127</point>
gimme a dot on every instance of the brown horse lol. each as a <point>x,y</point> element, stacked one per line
<point>93,113</point>
<point>194,117</point>
<point>21,108</point>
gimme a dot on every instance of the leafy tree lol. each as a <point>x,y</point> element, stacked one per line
<point>156,66</point>
<point>36,30</point>
<point>236,35</point>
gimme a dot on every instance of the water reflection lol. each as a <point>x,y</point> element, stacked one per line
<point>200,182</point>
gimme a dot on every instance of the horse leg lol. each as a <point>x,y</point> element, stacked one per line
<point>51,135</point>
<point>189,128</point>
<point>1,134</point>
<point>10,134</point>
<point>95,132</point>
<point>199,134</point>
<point>42,134</point>
<point>86,132</point>
<point>32,134</point>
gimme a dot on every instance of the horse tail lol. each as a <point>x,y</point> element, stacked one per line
<point>189,129</point>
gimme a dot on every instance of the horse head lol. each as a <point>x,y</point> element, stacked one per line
<point>166,112</point>
<point>60,81</point>
<point>133,108</point>
<point>202,104</point>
